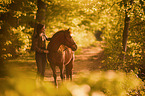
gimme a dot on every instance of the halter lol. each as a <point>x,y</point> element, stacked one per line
<point>65,49</point>
<point>67,39</point>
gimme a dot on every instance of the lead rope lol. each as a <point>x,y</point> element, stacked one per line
<point>65,49</point>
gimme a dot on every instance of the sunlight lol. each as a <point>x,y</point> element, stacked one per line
<point>98,93</point>
<point>81,90</point>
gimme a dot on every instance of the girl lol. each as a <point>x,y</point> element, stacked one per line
<point>39,46</point>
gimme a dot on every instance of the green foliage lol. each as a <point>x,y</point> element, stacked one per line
<point>23,38</point>
<point>109,83</point>
<point>113,37</point>
<point>16,33</point>
<point>17,43</point>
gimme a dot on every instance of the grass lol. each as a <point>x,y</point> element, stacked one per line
<point>25,64</point>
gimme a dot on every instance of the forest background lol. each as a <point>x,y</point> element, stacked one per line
<point>121,22</point>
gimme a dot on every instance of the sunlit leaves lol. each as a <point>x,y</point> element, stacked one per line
<point>109,83</point>
<point>78,90</point>
<point>113,35</point>
<point>23,37</point>
<point>17,14</point>
<point>6,1</point>
<point>16,40</point>
<point>3,8</point>
<point>5,56</point>
<point>104,83</point>
<point>8,42</point>
<point>134,50</point>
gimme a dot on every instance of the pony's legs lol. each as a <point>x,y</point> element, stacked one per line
<point>54,74</point>
<point>69,68</point>
<point>62,72</point>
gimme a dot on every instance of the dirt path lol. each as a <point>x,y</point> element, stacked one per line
<point>88,60</point>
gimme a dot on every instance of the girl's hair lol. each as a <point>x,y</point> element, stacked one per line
<point>36,34</point>
<point>39,27</point>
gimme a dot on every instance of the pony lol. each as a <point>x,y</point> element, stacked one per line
<point>61,53</point>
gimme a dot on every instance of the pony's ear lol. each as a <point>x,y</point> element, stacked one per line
<point>68,29</point>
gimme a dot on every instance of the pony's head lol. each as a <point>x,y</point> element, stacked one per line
<point>68,40</point>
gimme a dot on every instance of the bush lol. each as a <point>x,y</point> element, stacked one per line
<point>109,83</point>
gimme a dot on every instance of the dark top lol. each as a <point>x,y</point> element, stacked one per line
<point>39,43</point>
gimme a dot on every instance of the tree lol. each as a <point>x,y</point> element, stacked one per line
<point>41,12</point>
<point>15,30</point>
<point>126,26</point>
<point>124,35</point>
<point>40,17</point>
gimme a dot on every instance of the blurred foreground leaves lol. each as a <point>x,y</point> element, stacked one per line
<point>109,83</point>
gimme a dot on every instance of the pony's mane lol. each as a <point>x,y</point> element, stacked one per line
<point>58,32</point>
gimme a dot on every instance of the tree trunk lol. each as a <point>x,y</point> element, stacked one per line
<point>40,18</point>
<point>41,12</point>
<point>126,30</point>
<point>125,34</point>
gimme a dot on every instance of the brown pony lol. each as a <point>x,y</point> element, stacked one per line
<point>61,47</point>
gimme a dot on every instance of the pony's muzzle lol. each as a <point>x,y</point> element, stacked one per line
<point>74,47</point>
